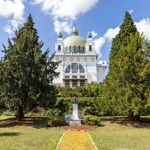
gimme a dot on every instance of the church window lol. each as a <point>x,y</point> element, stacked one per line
<point>74,68</point>
<point>79,48</point>
<point>81,69</point>
<point>75,49</point>
<point>59,47</point>
<point>82,83</point>
<point>82,77</point>
<point>68,69</point>
<point>83,50</point>
<point>90,47</point>
<point>74,77</point>
<point>74,83</point>
<point>67,84</point>
<point>67,77</point>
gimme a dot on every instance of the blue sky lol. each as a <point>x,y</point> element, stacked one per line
<point>102,17</point>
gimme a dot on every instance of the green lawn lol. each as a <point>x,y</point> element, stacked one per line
<point>27,135</point>
<point>121,136</point>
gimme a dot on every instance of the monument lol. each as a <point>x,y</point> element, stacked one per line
<point>75,115</point>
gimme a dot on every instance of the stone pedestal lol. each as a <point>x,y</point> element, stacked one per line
<point>75,116</point>
<point>75,122</point>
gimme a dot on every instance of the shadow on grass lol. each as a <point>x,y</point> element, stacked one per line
<point>143,123</point>
<point>9,134</point>
<point>35,122</point>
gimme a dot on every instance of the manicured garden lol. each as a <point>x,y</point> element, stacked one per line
<point>115,133</point>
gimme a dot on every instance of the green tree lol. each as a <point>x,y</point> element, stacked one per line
<point>126,88</point>
<point>126,28</point>
<point>109,94</point>
<point>27,73</point>
<point>134,77</point>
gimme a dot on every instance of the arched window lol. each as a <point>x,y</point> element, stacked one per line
<point>79,48</point>
<point>74,68</point>
<point>81,69</point>
<point>90,47</point>
<point>59,47</point>
<point>68,69</point>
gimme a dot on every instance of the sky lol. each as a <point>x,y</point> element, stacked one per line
<point>101,17</point>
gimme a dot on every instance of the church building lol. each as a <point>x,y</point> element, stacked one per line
<point>78,60</point>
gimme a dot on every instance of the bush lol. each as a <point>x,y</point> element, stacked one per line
<point>51,113</point>
<point>92,120</point>
<point>8,113</point>
<point>56,121</point>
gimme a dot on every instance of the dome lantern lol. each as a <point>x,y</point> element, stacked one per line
<point>90,35</point>
<point>74,30</point>
<point>60,35</point>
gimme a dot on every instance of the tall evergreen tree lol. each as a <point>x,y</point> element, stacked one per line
<point>134,77</point>
<point>126,28</point>
<point>127,85</point>
<point>27,73</point>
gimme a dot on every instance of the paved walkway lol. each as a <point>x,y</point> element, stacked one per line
<point>76,140</point>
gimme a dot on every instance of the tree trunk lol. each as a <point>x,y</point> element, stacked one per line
<point>134,117</point>
<point>19,113</point>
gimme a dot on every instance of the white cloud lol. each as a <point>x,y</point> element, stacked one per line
<point>99,42</point>
<point>62,26</point>
<point>143,26</point>
<point>65,10</point>
<point>131,11</point>
<point>111,33</point>
<point>13,9</point>
<point>94,34</point>
<point>106,38</point>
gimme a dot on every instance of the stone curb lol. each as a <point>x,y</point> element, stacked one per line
<point>59,141</point>
<point>92,141</point>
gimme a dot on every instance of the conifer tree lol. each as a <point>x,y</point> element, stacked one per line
<point>27,72</point>
<point>126,28</point>
<point>127,85</point>
<point>134,77</point>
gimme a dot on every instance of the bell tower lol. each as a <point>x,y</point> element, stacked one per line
<point>90,47</point>
<point>59,46</point>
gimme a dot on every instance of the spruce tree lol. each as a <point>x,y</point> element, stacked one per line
<point>126,28</point>
<point>27,72</point>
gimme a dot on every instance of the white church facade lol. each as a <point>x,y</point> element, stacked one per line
<point>78,60</point>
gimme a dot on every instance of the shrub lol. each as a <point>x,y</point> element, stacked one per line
<point>92,120</point>
<point>51,113</point>
<point>8,113</point>
<point>56,121</point>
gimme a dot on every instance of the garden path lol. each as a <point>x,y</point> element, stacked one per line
<point>76,140</point>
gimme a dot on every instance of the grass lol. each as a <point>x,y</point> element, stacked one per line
<point>31,134</point>
<point>122,135</point>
